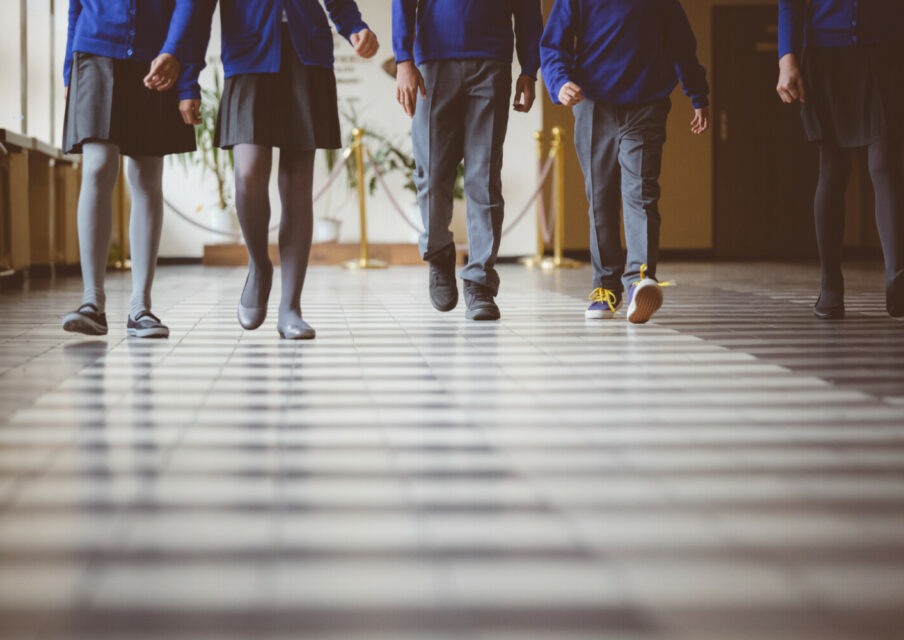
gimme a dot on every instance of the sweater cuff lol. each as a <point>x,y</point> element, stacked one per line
<point>700,102</point>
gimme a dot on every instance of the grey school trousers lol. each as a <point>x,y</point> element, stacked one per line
<point>464,117</point>
<point>620,151</point>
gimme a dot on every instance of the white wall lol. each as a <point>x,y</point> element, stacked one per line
<point>362,83</point>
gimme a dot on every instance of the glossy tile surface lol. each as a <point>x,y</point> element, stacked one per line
<point>733,470</point>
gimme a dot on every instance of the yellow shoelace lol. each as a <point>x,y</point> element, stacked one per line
<point>643,276</point>
<point>604,296</point>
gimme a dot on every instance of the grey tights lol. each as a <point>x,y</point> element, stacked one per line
<point>253,164</point>
<point>100,166</point>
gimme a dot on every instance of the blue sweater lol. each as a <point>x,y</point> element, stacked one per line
<point>135,29</point>
<point>252,32</point>
<point>838,23</point>
<point>622,51</point>
<point>426,30</point>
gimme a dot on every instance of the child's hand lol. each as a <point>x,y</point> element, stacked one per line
<point>163,74</point>
<point>409,82</point>
<point>570,94</point>
<point>701,121</point>
<point>525,94</point>
<point>790,83</point>
<point>191,111</point>
<point>365,43</point>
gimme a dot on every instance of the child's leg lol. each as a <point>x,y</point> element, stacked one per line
<point>100,166</point>
<point>885,171</point>
<point>146,182</point>
<point>596,142</point>
<point>834,174</point>
<point>296,186</point>
<point>253,164</point>
<point>643,134</point>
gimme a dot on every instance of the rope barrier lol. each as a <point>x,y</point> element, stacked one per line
<point>543,176</point>
<point>543,173</point>
<point>334,174</point>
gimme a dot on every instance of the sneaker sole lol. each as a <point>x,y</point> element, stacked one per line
<point>148,333</point>
<point>482,315</point>
<point>599,315</point>
<point>85,327</point>
<point>646,303</point>
<point>445,308</point>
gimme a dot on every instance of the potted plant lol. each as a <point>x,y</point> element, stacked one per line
<point>390,157</point>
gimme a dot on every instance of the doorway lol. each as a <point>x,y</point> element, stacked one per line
<point>765,170</point>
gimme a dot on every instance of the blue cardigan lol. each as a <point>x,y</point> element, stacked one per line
<point>838,23</point>
<point>426,30</point>
<point>135,29</point>
<point>622,51</point>
<point>252,31</point>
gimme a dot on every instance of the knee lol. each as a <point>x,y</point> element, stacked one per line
<point>252,179</point>
<point>145,176</point>
<point>101,171</point>
<point>883,165</point>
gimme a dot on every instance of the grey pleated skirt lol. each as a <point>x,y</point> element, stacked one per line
<point>855,95</point>
<point>108,102</point>
<point>296,109</point>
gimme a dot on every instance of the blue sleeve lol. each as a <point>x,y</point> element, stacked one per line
<point>195,49</point>
<point>180,26</point>
<point>404,19</point>
<point>346,16</point>
<point>557,47</point>
<point>791,15</point>
<point>75,10</point>
<point>528,31</point>
<point>683,45</point>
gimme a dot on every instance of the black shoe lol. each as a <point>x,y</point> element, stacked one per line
<point>829,306</point>
<point>481,305</point>
<point>147,325</point>
<point>86,319</point>
<point>443,288</point>
<point>894,298</point>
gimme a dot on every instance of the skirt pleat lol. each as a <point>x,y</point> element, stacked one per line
<point>854,94</point>
<point>109,103</point>
<point>295,109</point>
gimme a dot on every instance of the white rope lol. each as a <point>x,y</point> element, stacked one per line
<point>334,174</point>
<point>543,176</point>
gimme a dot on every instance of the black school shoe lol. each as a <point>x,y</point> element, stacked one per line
<point>443,289</point>
<point>481,305</point>
<point>146,325</point>
<point>830,305</point>
<point>87,320</point>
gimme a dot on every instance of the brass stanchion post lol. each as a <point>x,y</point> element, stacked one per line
<point>558,261</point>
<point>537,259</point>
<point>364,261</point>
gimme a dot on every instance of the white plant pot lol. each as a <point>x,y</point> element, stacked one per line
<point>460,221</point>
<point>326,230</point>
<point>223,220</point>
<point>413,212</point>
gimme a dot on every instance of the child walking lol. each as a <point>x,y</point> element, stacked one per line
<point>616,62</point>
<point>280,93</point>
<point>844,61</point>
<point>128,75</point>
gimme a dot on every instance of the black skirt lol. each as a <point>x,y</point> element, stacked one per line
<point>296,109</point>
<point>854,95</point>
<point>108,102</point>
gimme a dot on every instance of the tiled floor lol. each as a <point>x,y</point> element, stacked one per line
<point>733,471</point>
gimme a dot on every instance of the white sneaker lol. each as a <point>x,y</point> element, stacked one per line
<point>644,300</point>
